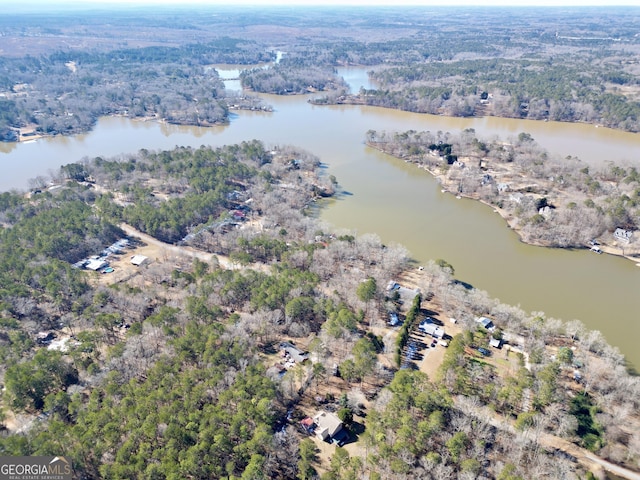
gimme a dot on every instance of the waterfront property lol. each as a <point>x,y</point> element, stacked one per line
<point>486,323</point>
<point>623,235</point>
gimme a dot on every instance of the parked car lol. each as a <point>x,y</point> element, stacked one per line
<point>484,351</point>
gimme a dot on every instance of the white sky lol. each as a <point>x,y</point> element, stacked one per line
<point>106,3</point>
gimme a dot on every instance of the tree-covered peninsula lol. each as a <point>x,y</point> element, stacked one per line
<point>571,65</point>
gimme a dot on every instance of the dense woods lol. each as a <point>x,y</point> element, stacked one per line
<point>65,93</point>
<point>180,366</point>
<point>561,89</point>
<point>173,370</point>
<point>563,66</point>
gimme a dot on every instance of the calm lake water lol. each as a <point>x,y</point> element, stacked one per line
<point>401,203</point>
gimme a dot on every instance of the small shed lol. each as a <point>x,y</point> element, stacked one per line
<point>307,424</point>
<point>138,260</point>
<point>495,342</point>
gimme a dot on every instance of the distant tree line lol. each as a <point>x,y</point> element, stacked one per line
<point>561,89</point>
<point>66,92</point>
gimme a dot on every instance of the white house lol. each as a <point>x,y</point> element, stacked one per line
<point>623,235</point>
<point>328,425</point>
<point>432,329</point>
<point>96,264</point>
<point>486,323</point>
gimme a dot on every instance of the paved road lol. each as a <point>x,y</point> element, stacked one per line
<point>551,442</point>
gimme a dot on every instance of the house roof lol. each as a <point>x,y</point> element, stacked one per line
<point>138,259</point>
<point>622,233</point>
<point>329,422</point>
<point>295,353</point>
<point>96,264</point>
<point>485,322</point>
<point>432,329</point>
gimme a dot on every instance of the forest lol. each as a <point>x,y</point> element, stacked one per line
<point>566,65</point>
<point>173,370</point>
<point>65,93</point>
<point>180,365</point>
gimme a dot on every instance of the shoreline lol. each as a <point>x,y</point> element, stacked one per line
<point>446,187</point>
<point>355,99</point>
<point>29,135</point>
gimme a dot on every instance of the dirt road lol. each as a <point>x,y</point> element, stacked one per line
<point>179,250</point>
<point>222,260</point>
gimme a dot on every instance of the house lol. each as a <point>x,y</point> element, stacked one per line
<point>486,179</point>
<point>297,355</point>
<point>328,426</point>
<point>486,323</point>
<point>96,264</point>
<point>432,329</point>
<point>238,215</point>
<point>623,235</point>
<point>138,260</point>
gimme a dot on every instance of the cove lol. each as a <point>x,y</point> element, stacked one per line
<point>401,203</point>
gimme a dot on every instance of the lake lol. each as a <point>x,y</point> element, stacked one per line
<point>401,203</point>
